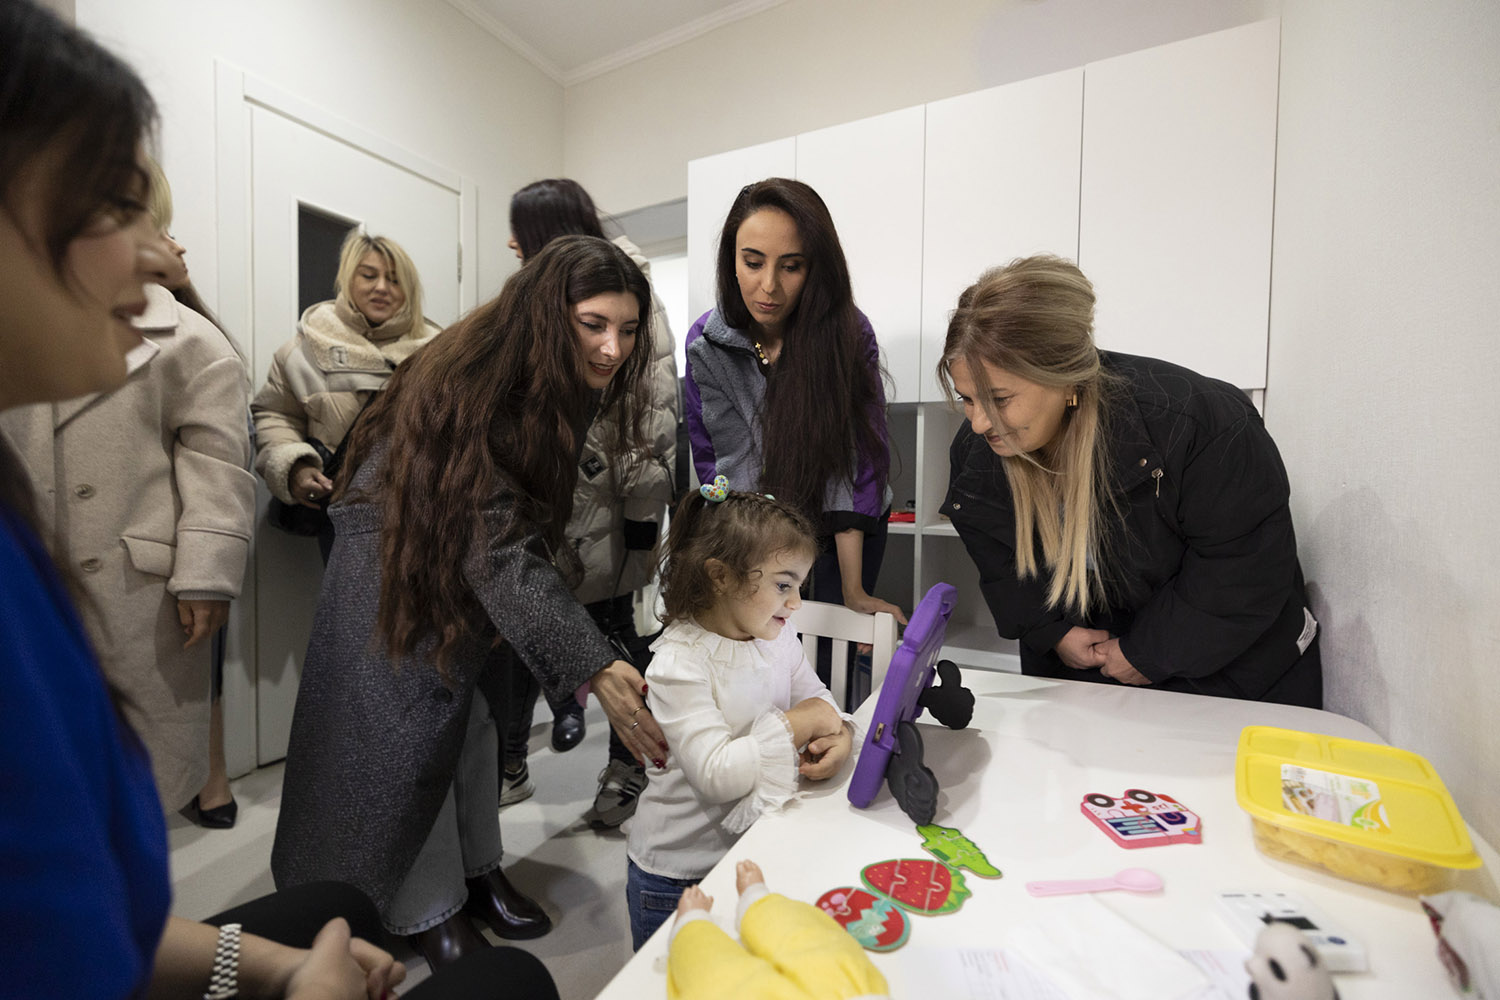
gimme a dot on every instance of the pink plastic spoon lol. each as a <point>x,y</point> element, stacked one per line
<point>1129,879</point>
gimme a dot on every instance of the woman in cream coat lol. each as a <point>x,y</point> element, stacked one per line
<point>145,498</point>
<point>343,352</point>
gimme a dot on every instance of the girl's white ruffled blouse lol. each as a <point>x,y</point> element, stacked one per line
<point>720,704</point>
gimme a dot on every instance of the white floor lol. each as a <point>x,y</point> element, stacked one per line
<point>577,874</point>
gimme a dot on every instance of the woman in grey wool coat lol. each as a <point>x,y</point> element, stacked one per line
<point>449,513</point>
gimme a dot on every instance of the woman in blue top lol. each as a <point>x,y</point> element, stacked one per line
<point>783,391</point>
<point>83,847</point>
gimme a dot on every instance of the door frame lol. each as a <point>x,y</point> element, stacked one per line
<point>235,94</point>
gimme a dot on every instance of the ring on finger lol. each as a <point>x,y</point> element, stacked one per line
<point>634,724</point>
<point>637,711</point>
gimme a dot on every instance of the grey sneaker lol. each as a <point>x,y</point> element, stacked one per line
<point>515,786</point>
<point>620,786</point>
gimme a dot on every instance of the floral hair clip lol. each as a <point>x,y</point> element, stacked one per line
<point>717,491</point>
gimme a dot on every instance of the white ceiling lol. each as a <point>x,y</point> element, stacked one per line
<point>572,40</point>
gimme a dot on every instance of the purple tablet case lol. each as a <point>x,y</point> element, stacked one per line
<point>910,673</point>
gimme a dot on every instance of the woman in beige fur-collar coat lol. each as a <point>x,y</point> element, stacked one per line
<point>146,499</point>
<point>342,354</point>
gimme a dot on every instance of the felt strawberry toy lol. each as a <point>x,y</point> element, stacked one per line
<point>877,924</point>
<point>918,884</point>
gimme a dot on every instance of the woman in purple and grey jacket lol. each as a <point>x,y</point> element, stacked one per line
<point>784,387</point>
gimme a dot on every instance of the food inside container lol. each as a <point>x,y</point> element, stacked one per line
<point>1366,812</point>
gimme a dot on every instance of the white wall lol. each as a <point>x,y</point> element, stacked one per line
<point>414,72</point>
<point>807,64</point>
<point>1384,349</point>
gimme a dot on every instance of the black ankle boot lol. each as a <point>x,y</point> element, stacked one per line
<point>448,941</point>
<point>567,727</point>
<point>509,914</point>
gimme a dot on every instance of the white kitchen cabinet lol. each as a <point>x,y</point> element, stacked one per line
<point>713,184</point>
<point>1001,183</point>
<point>869,173</point>
<point>1154,170</point>
<point>1179,175</point>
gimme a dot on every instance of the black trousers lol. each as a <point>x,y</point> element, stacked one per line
<point>294,916</point>
<point>615,617</point>
<point>828,587</point>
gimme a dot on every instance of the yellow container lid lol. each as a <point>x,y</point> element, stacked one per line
<point>1364,794</point>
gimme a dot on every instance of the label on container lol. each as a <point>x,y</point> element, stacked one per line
<point>1337,798</point>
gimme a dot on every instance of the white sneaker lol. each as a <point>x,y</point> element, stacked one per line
<point>620,786</point>
<point>515,786</point>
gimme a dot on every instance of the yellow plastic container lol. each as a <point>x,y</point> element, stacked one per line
<point>1366,812</point>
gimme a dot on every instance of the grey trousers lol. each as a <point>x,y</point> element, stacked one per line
<point>465,839</point>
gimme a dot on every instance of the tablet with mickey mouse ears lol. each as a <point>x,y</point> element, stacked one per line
<point>902,699</point>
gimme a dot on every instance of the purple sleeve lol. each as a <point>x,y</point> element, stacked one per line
<point>702,444</point>
<point>869,492</point>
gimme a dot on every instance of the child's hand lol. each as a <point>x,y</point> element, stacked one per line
<point>826,754</point>
<point>811,718</point>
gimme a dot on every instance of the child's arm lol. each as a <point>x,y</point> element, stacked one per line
<point>719,766</point>
<point>827,748</point>
<point>811,718</point>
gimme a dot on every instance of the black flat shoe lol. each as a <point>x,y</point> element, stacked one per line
<point>567,728</point>
<point>501,905</point>
<point>217,818</point>
<point>448,941</point>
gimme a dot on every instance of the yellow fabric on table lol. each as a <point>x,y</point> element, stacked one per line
<point>703,962</point>
<point>809,947</point>
<point>792,951</point>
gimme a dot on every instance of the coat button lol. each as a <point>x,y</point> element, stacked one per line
<point>442,695</point>
<point>83,491</point>
<point>1143,463</point>
<point>958,506</point>
<point>91,565</point>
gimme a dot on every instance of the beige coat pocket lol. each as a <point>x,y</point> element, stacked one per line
<point>150,556</point>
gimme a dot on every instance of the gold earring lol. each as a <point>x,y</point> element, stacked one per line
<point>1073,400</point>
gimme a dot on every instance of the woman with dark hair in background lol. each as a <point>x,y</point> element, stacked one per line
<point>783,391</point>
<point>618,509</point>
<point>1129,517</point>
<point>449,562</point>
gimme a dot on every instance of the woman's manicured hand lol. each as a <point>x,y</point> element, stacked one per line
<point>1079,649</point>
<point>867,604</point>
<point>1117,667</point>
<point>621,689</point>
<point>308,485</point>
<point>201,619</point>
<point>328,971</point>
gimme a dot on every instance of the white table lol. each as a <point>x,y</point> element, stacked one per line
<point>1012,783</point>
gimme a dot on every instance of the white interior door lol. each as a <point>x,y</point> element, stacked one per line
<point>293,167</point>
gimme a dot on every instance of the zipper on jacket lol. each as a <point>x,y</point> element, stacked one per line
<point>1156,474</point>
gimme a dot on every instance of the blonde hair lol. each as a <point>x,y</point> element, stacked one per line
<point>159,197</point>
<point>1034,318</point>
<point>356,245</point>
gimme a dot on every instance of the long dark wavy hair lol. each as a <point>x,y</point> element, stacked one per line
<point>64,97</point>
<point>494,407</point>
<point>544,210</point>
<point>823,407</point>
